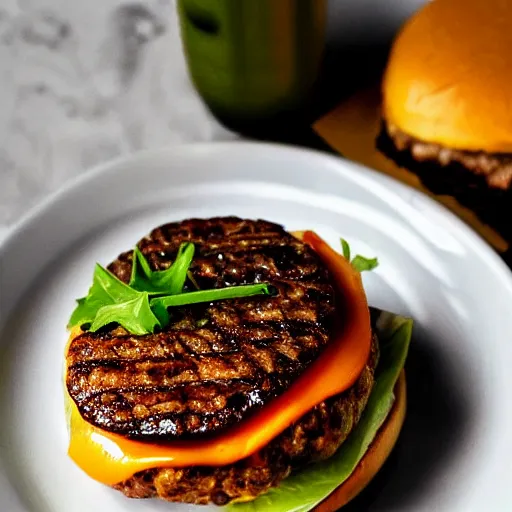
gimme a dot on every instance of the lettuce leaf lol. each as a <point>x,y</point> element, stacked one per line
<point>303,490</point>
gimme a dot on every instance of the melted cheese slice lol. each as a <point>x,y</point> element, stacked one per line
<point>111,458</point>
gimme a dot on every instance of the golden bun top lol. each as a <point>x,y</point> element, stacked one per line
<point>449,75</point>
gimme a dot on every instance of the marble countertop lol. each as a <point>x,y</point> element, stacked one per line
<point>84,82</point>
<point>82,85</point>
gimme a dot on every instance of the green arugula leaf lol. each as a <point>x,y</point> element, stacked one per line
<point>134,315</point>
<point>140,267</point>
<point>159,305</point>
<point>106,289</point>
<point>111,301</point>
<point>84,313</point>
<point>360,263</point>
<point>176,275</point>
<point>346,249</point>
<point>303,490</point>
<point>192,279</point>
<point>169,281</point>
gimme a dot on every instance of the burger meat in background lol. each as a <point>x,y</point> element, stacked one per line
<point>447,104</point>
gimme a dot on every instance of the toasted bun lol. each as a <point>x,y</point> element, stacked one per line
<point>449,75</point>
<point>375,456</point>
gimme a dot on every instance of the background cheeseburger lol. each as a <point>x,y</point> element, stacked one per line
<point>447,104</point>
<point>226,361</point>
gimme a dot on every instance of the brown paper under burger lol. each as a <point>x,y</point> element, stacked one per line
<point>352,128</point>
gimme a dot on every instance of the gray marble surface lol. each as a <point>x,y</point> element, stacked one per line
<point>82,82</point>
<point>81,85</point>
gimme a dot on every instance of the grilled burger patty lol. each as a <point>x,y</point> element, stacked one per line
<point>495,168</point>
<point>316,436</point>
<point>481,181</point>
<point>216,363</point>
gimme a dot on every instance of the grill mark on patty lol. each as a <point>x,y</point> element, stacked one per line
<point>315,436</point>
<point>264,341</point>
<point>160,373</point>
<point>186,410</point>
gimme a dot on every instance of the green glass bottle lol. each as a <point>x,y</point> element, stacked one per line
<point>254,62</point>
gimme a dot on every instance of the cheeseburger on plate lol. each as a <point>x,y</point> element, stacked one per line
<point>228,361</point>
<point>447,104</point>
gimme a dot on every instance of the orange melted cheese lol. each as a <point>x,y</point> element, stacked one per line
<point>111,458</point>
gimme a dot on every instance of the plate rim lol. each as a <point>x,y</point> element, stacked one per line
<point>339,166</point>
<point>474,239</point>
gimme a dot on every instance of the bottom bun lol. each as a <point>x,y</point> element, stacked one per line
<point>374,458</point>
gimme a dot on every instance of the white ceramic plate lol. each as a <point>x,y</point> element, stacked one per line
<point>455,451</point>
